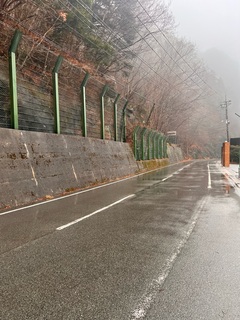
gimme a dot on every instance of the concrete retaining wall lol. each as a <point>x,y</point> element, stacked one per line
<point>175,153</point>
<point>153,164</point>
<point>34,165</point>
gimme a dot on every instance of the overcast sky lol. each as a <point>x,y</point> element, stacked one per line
<point>214,24</point>
<point>210,23</point>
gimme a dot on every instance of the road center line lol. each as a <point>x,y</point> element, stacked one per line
<point>95,212</point>
<point>209,178</point>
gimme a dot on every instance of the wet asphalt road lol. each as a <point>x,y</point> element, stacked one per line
<point>164,245</point>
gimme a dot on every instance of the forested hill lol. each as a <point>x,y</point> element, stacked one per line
<point>133,47</point>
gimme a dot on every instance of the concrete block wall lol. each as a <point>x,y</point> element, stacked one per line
<point>34,165</point>
<point>175,153</point>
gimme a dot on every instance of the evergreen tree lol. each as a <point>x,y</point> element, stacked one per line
<point>119,16</point>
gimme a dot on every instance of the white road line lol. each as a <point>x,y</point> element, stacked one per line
<point>95,212</point>
<point>209,178</point>
<point>176,172</point>
<point>152,291</point>
<point>167,177</point>
<point>82,191</point>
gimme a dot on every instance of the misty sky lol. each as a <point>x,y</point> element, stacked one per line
<point>210,23</point>
<point>215,24</point>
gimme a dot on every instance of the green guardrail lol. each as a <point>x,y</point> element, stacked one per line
<point>149,144</point>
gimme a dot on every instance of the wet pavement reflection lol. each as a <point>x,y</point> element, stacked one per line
<point>100,268</point>
<point>29,224</point>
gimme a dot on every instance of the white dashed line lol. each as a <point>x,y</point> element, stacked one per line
<point>209,178</point>
<point>95,212</point>
<point>80,192</point>
<point>174,173</point>
<point>167,177</point>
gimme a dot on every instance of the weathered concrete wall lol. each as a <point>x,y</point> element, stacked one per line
<point>175,153</point>
<point>147,165</point>
<point>34,165</point>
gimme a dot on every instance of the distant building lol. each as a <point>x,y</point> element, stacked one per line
<point>235,141</point>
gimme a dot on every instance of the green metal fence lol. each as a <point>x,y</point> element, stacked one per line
<point>41,91</point>
<point>149,144</point>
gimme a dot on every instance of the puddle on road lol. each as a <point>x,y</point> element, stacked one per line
<point>222,186</point>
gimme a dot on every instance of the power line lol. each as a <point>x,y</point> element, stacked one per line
<point>142,60</point>
<point>103,50</point>
<point>50,41</point>
<point>144,39</point>
<point>175,48</point>
<point>138,57</point>
<point>141,37</point>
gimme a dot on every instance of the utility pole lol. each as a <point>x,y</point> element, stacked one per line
<point>238,153</point>
<point>225,105</point>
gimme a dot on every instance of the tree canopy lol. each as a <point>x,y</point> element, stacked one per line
<point>133,43</point>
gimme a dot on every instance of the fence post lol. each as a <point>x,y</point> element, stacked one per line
<point>165,147</point>
<point>135,147</point>
<point>56,93</point>
<point>156,145</point>
<point>153,144</point>
<point>105,88</point>
<point>149,143</point>
<point>115,117</point>
<point>13,78</point>
<point>157,142</point>
<point>84,105</point>
<point>124,121</point>
<point>143,144</point>
<point>159,145</point>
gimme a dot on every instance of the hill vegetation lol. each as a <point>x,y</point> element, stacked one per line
<point>132,46</point>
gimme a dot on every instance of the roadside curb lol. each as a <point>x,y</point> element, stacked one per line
<point>231,174</point>
<point>235,180</point>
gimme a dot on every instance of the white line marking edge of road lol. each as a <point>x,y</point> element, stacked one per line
<point>209,178</point>
<point>93,213</point>
<point>168,177</point>
<point>83,191</point>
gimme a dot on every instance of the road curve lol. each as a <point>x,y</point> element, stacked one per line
<point>105,253</point>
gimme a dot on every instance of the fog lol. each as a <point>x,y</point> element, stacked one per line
<point>214,27</point>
